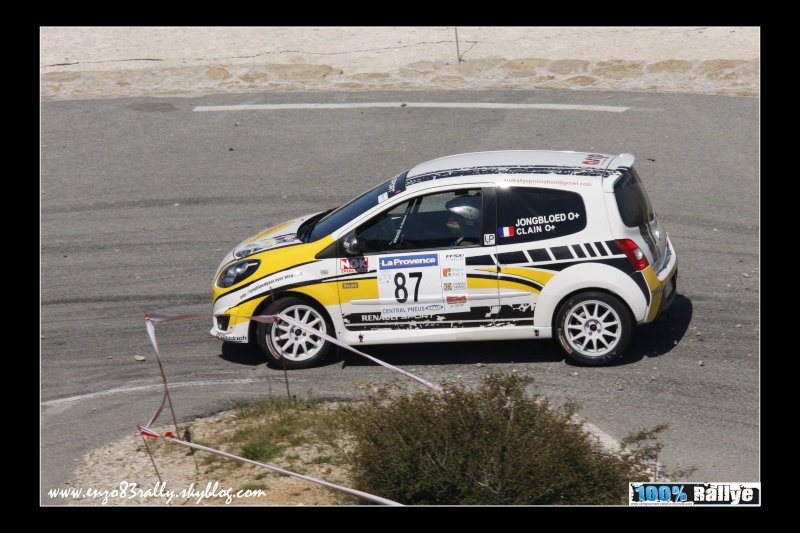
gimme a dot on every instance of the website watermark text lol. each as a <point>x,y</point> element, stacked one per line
<point>126,492</point>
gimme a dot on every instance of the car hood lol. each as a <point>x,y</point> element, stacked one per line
<point>283,234</point>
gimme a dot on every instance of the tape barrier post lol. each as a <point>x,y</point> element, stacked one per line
<point>170,437</point>
<point>269,319</point>
<point>151,332</point>
<point>151,318</point>
<point>317,333</point>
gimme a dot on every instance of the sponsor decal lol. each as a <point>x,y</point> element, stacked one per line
<point>506,231</point>
<point>401,311</point>
<point>354,264</point>
<point>232,338</point>
<point>266,285</point>
<point>488,239</point>
<point>254,288</point>
<point>595,159</point>
<point>409,261</point>
<point>350,285</point>
<point>264,244</point>
<point>451,271</point>
<point>407,288</point>
<point>583,172</point>
<point>374,318</point>
<point>394,320</point>
<point>274,229</point>
<point>394,187</point>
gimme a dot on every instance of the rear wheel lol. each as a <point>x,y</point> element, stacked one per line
<point>593,328</point>
<point>290,344</point>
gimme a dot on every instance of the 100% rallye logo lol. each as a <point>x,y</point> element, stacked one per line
<point>658,493</point>
<point>694,494</point>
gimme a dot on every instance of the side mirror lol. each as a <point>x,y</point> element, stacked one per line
<point>351,245</point>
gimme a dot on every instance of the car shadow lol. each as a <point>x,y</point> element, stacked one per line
<point>649,341</point>
<point>660,337</point>
<point>242,354</point>
<point>450,353</point>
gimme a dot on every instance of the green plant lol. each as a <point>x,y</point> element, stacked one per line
<point>281,428</point>
<point>495,445</point>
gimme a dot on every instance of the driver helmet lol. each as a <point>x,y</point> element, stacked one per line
<point>463,209</point>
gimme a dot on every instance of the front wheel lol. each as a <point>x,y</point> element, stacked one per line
<point>593,328</point>
<point>297,347</point>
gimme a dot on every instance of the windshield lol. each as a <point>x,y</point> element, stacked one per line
<point>305,228</point>
<point>354,208</point>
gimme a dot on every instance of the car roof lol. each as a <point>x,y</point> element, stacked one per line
<point>521,161</point>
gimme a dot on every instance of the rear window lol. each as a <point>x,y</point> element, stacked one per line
<point>633,203</point>
<point>526,214</point>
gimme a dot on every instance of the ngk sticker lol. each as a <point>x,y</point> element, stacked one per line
<point>354,264</point>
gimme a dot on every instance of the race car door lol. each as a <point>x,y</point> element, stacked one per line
<point>423,268</point>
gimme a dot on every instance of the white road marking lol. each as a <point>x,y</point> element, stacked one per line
<point>258,107</point>
<point>159,387</point>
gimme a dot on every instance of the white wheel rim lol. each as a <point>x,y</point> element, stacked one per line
<point>293,342</point>
<point>593,328</point>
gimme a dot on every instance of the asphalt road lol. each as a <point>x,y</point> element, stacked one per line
<point>141,198</point>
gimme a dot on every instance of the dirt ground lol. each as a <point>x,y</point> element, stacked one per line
<point>138,472</point>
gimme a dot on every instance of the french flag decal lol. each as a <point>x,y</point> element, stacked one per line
<point>507,231</point>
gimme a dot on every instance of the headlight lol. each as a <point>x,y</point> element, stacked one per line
<point>233,274</point>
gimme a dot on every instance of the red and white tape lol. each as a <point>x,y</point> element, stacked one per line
<point>170,437</point>
<point>153,318</point>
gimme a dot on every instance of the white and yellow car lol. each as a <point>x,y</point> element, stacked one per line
<point>516,244</point>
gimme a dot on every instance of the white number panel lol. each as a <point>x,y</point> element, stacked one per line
<point>420,284</point>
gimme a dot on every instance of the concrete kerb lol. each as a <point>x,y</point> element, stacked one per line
<point>80,63</point>
<point>719,77</point>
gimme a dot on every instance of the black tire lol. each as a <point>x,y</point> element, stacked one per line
<point>290,345</point>
<point>593,328</point>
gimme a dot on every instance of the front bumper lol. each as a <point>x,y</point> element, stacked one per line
<point>238,333</point>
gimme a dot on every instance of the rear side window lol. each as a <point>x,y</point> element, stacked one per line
<point>526,214</point>
<point>633,203</point>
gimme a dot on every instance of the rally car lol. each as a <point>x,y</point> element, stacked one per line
<point>514,244</point>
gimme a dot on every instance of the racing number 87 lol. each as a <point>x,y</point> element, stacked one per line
<point>400,290</point>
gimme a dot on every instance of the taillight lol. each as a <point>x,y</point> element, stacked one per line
<point>634,253</point>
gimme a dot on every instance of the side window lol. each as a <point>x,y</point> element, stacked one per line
<point>437,220</point>
<point>526,214</point>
